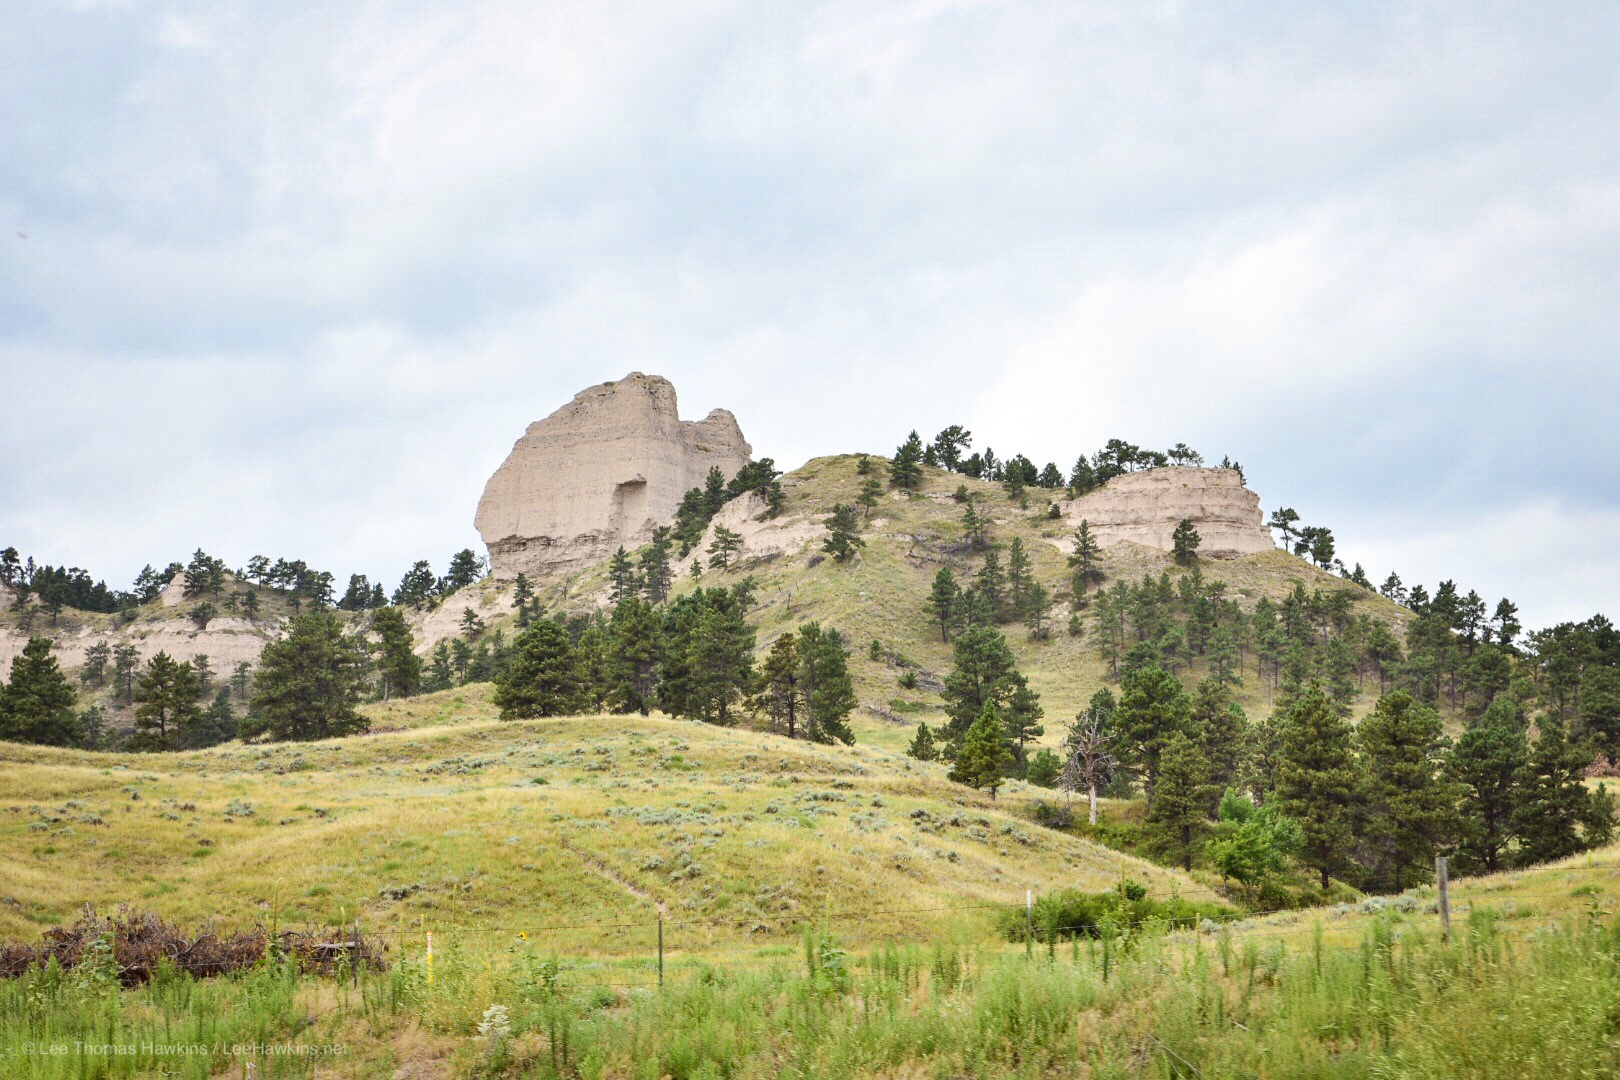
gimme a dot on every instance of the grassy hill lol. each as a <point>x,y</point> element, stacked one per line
<point>882,594</point>
<point>454,819</point>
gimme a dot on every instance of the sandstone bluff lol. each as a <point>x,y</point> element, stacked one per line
<point>1145,508</point>
<point>601,471</point>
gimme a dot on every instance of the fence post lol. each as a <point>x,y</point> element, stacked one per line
<point>1029,923</point>
<point>1442,884</point>
<point>430,957</point>
<point>354,954</point>
<point>660,950</point>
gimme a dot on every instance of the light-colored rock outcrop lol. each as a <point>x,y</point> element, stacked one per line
<point>601,471</point>
<point>1146,507</point>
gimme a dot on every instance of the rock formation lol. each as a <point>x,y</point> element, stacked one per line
<point>1146,507</point>
<point>601,471</point>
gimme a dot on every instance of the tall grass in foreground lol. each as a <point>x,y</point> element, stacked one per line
<point>1397,1003</point>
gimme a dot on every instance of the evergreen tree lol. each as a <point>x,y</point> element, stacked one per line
<point>983,759</point>
<point>654,566</point>
<point>714,491</point>
<point>1317,778</point>
<point>308,683</point>
<point>1084,560</point>
<point>1020,579</point>
<point>622,574</point>
<point>592,656</point>
<point>1598,702</point>
<point>871,492</point>
<point>984,674</point>
<point>168,708</point>
<point>1184,542</point>
<point>843,533</point>
<point>975,526</point>
<point>708,657</point>
<point>949,444</point>
<point>905,471</point>
<point>922,746</point>
<point>1180,813</point>
<point>96,657</point>
<point>723,548</point>
<point>1081,478</point>
<point>1022,723</point>
<point>1485,764</point>
<point>210,727</point>
<point>781,694</point>
<point>472,624</point>
<point>991,586</point>
<point>398,666</point>
<point>1410,805</point>
<point>126,662</point>
<point>1152,709</point>
<point>1557,815</point>
<point>544,677</point>
<point>441,675</point>
<point>417,587</point>
<point>944,598</point>
<point>829,693</point>
<point>240,679</point>
<point>37,704</point>
<point>1222,733</point>
<point>634,651</point>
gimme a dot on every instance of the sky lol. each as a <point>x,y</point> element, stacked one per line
<point>291,278</point>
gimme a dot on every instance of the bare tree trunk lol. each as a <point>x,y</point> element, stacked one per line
<point>1092,791</point>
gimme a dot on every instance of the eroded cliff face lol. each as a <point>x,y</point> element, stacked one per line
<point>1146,507</point>
<point>603,470</point>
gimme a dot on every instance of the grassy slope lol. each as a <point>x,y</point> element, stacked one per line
<point>775,828</point>
<point>883,593</point>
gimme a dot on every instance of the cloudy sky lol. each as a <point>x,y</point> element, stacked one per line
<point>295,276</point>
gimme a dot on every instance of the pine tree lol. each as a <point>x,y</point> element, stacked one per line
<point>944,597</point>
<point>308,683</point>
<point>1084,560</point>
<point>591,654</point>
<point>1222,733</point>
<point>210,727</point>
<point>781,694</point>
<point>1486,763</point>
<point>905,471</point>
<point>991,586</point>
<point>1022,722</point>
<point>843,533</point>
<point>922,746</point>
<point>417,587</point>
<point>1183,796</point>
<point>441,675</point>
<point>1557,815</point>
<point>37,704</point>
<point>1410,805</point>
<point>1184,542</point>
<point>1020,579</point>
<point>828,692</point>
<point>635,645</point>
<point>544,677</point>
<point>949,444</point>
<point>622,574</point>
<point>398,666</point>
<point>708,655</point>
<point>96,658</point>
<point>975,526</point>
<point>1317,778</point>
<point>984,674</point>
<point>871,492</point>
<point>654,566</point>
<point>983,759</point>
<point>169,692</point>
<point>1152,709</point>
<point>723,547</point>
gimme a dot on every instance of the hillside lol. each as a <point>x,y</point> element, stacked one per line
<point>450,818</point>
<point>882,593</point>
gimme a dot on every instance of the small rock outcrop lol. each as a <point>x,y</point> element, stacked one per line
<point>1146,507</point>
<point>603,470</point>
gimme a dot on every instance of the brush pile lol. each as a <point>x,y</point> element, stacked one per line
<point>139,942</point>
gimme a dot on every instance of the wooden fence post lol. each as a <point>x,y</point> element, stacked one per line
<point>1442,883</point>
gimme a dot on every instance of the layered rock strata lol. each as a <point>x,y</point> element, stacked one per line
<point>1146,507</point>
<point>603,470</point>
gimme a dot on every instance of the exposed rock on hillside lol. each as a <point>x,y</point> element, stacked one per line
<point>601,471</point>
<point>1145,508</point>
